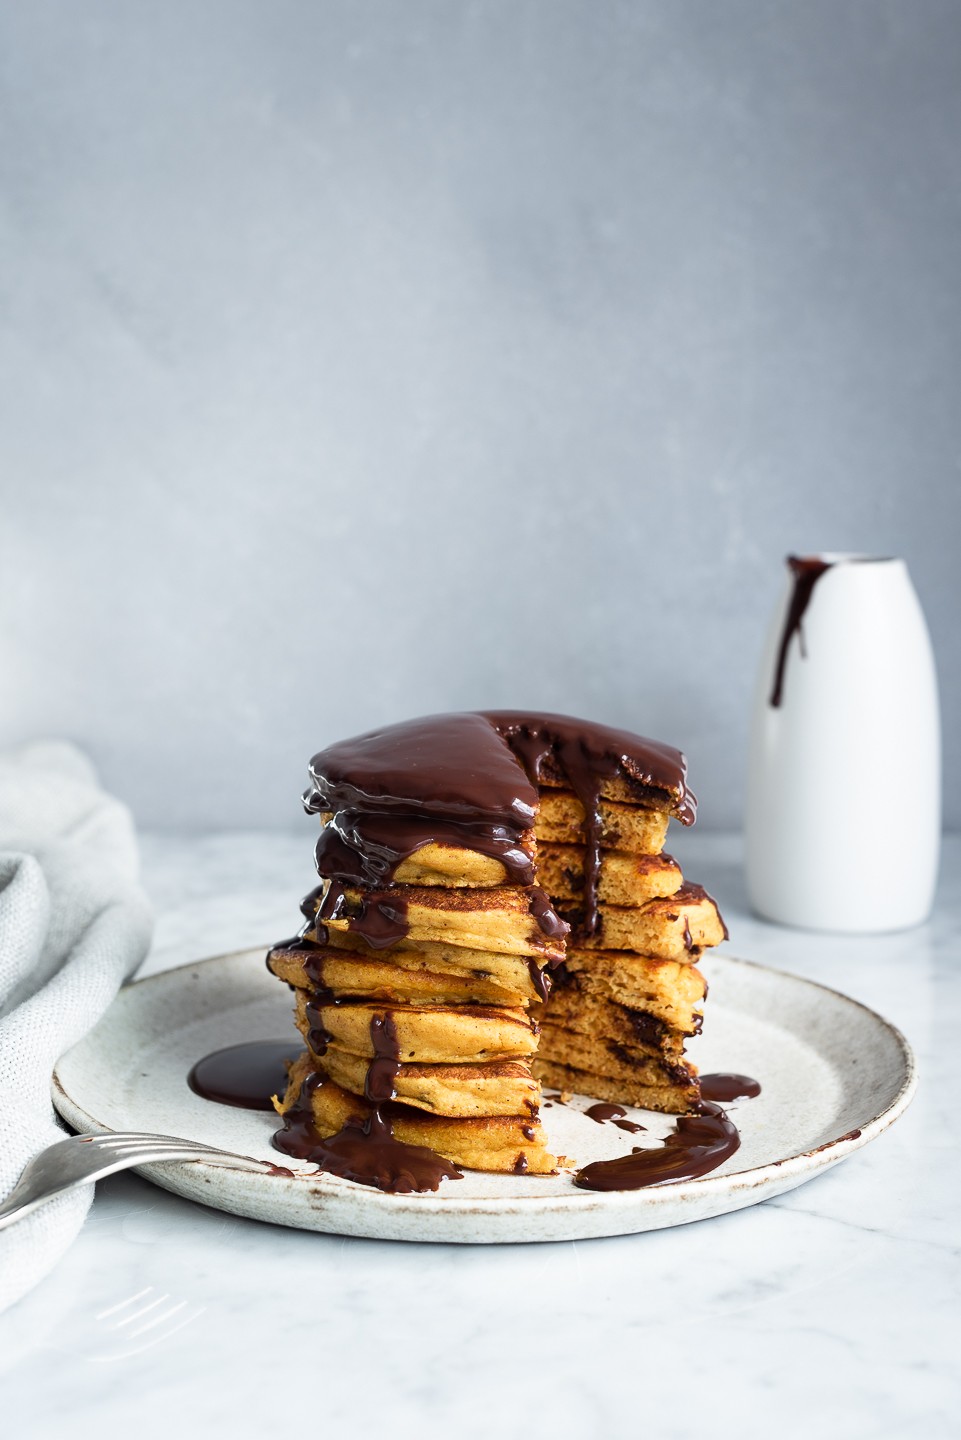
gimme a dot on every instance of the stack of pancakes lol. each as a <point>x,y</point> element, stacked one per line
<point>495,910</point>
<point>456,990</point>
<point>628,995</point>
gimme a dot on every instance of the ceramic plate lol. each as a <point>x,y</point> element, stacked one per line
<point>834,1075</point>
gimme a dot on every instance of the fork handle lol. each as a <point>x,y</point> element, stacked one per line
<point>28,1195</point>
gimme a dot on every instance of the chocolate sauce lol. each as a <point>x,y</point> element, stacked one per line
<point>318,1038</point>
<point>692,893</point>
<point>520,1164</point>
<point>304,939</point>
<point>455,767</point>
<point>602,1112</point>
<point>381,918</point>
<point>311,903</point>
<point>313,963</point>
<point>244,1075</point>
<point>368,848</point>
<point>364,1150</point>
<point>382,1070</point>
<point>807,571</point>
<point>540,978</point>
<point>301,941</point>
<point>723,1086</point>
<point>698,1145</point>
<point>548,921</point>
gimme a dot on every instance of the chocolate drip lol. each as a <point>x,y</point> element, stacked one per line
<point>318,1038</point>
<point>311,903</point>
<point>698,1145</point>
<point>726,1086</point>
<point>382,1071</point>
<point>364,1150</point>
<point>313,963</point>
<point>520,1164</point>
<point>602,1112</point>
<point>691,893</point>
<point>368,848</point>
<point>244,1075</point>
<point>381,920</point>
<point>303,940</point>
<point>540,978</point>
<point>807,571</point>
<point>548,920</point>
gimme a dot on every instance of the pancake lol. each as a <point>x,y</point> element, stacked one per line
<point>628,828</point>
<point>666,989</point>
<point>497,1087</point>
<point>603,1056</point>
<point>387,978</point>
<point>675,928</point>
<point>428,1035</point>
<point>623,879</point>
<point>668,1097</point>
<point>510,920</point>
<point>627,1024</point>
<point>513,972</point>
<point>510,1143</point>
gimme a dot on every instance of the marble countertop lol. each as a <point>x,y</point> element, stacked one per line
<point>833,1309</point>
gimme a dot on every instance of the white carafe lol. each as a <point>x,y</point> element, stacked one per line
<point>844,786</point>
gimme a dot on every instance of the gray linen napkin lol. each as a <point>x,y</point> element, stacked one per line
<point>74,924</point>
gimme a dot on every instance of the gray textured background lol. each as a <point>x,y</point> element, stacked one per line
<point>363,360</point>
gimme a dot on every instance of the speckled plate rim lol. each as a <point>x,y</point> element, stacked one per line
<point>379,1215</point>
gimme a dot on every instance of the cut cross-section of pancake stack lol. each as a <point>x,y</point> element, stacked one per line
<point>628,995</point>
<point>466,861</point>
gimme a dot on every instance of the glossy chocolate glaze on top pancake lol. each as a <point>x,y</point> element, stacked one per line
<point>452,766</point>
<point>469,780</point>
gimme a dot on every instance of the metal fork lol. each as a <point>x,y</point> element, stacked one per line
<point>82,1159</point>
